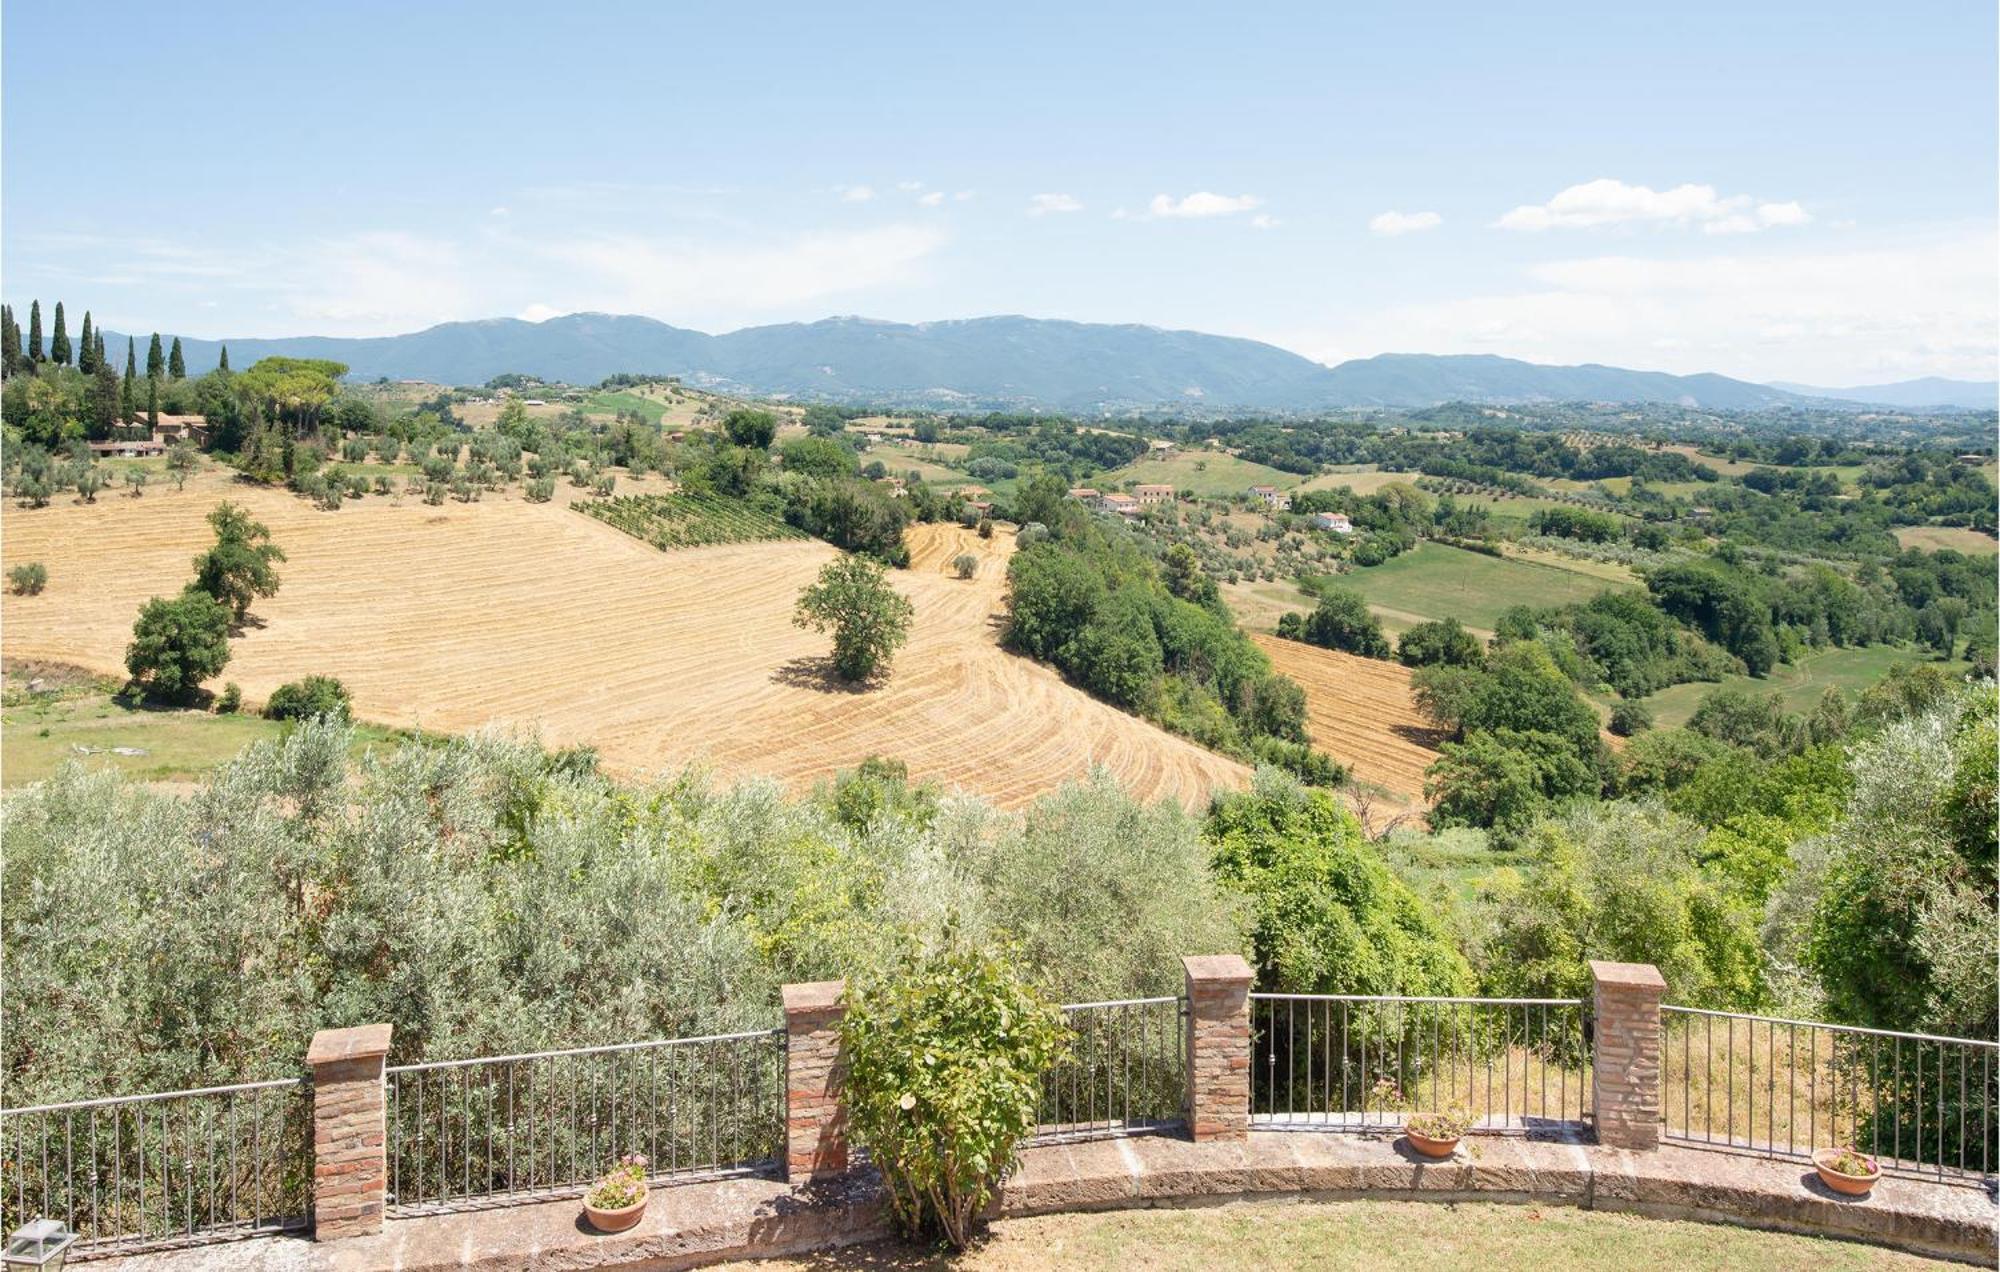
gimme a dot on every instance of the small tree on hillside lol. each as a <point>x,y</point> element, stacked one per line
<point>869,619</point>
<point>238,568</point>
<point>177,644</point>
<point>755,429</point>
<point>180,462</point>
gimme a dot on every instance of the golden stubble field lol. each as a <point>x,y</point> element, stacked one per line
<point>532,617</point>
<point>1361,712</point>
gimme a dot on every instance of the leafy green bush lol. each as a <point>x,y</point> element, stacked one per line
<point>177,644</point>
<point>945,1057</point>
<point>230,701</point>
<point>308,698</point>
<point>28,578</point>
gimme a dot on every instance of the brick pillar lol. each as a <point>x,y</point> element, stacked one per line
<point>1218,1047</point>
<point>350,1153</point>
<point>1626,1054</point>
<point>815,1121</point>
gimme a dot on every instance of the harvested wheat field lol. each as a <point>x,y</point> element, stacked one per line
<point>530,616</point>
<point>1360,711</point>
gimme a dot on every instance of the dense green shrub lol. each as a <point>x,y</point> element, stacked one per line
<point>945,1055</point>
<point>307,698</point>
<point>177,644</point>
<point>28,578</point>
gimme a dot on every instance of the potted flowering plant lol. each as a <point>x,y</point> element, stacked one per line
<point>1434,1134</point>
<point>618,1199</point>
<point>1847,1171</point>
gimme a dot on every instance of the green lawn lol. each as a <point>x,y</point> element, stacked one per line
<point>649,409</point>
<point>39,733</point>
<point>1209,474</point>
<point>1801,683</point>
<point>1368,1234</point>
<point>1436,581</point>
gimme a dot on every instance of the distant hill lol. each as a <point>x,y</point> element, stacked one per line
<point>986,363</point>
<point>1930,391</point>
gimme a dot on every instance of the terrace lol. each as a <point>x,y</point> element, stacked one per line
<point>1617,1102</point>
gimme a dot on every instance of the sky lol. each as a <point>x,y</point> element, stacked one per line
<point>1801,192</point>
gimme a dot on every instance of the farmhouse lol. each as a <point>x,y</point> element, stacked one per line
<point>1153,494</point>
<point>1083,494</point>
<point>1123,505</point>
<point>1271,497</point>
<point>127,450</point>
<point>168,429</point>
<point>1334,521</point>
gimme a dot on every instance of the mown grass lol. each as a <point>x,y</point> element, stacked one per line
<point>1366,1234</point>
<point>1434,580</point>
<point>1800,684</point>
<point>39,733</point>
<point>1209,474</point>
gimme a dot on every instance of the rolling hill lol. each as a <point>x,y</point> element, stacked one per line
<point>984,363</point>
<point>1928,392</point>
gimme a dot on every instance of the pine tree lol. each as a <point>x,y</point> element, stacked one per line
<point>10,341</point>
<point>177,366</point>
<point>156,359</point>
<point>59,342</point>
<point>35,331</point>
<point>86,347</point>
<point>128,392</point>
<point>224,364</point>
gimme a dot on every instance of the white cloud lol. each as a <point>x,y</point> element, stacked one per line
<point>539,313</point>
<point>1044,204</point>
<point>1393,222</point>
<point>933,199</point>
<point>1202,203</point>
<point>1265,221</point>
<point>855,193</point>
<point>1607,201</point>
<point>909,187</point>
<point>500,212</point>
<point>961,196</point>
<point>1919,304</point>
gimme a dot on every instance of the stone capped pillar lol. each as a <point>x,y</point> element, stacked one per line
<point>1626,1054</point>
<point>815,1118</point>
<point>1218,1047</point>
<point>350,1153</point>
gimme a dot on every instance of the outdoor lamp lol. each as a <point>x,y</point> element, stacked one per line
<point>43,1243</point>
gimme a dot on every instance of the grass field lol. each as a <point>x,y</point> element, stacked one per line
<point>1436,581</point>
<point>1361,480</point>
<point>1364,1235</point>
<point>1359,711</point>
<point>1958,538</point>
<point>1800,683</point>
<point>39,733</point>
<point>527,616</point>
<point>652,410</point>
<point>1209,474</point>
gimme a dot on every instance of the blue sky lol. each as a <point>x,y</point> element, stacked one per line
<point>1776,191</point>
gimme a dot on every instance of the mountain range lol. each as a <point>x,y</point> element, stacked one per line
<point>1025,364</point>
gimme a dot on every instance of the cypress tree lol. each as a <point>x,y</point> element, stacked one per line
<point>224,364</point>
<point>177,366</point>
<point>59,342</point>
<point>86,347</point>
<point>34,331</point>
<point>10,341</point>
<point>128,393</point>
<point>153,402</point>
<point>102,361</point>
<point>156,359</point>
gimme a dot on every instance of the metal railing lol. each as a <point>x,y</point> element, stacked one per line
<point>1347,1061</point>
<point>140,1171</point>
<point>464,1132</point>
<point>1125,1074</point>
<point>1783,1088</point>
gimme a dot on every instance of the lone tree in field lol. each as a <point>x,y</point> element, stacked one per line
<point>870,620</point>
<point>755,429</point>
<point>177,644</point>
<point>238,568</point>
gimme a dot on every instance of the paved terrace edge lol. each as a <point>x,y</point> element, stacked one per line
<point>693,1224</point>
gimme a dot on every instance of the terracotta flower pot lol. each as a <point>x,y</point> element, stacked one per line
<point>1435,1149</point>
<point>615,1220</point>
<point>1846,1185</point>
